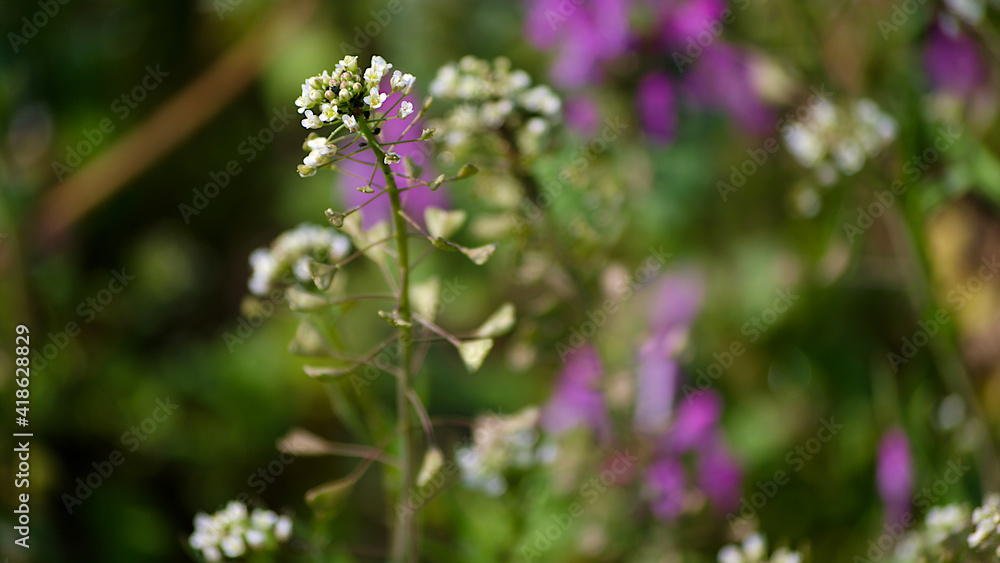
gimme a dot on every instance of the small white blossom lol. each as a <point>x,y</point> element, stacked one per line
<point>405,109</point>
<point>231,531</point>
<point>347,64</point>
<point>400,81</point>
<point>499,442</point>
<point>283,528</point>
<point>754,550</point>
<point>328,112</point>
<point>391,158</point>
<point>351,123</point>
<point>374,99</point>
<point>833,140</point>
<point>311,120</point>
<point>291,252</point>
<point>494,96</point>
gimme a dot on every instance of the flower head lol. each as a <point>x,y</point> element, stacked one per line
<point>405,109</point>
<point>291,253</point>
<point>374,99</point>
<point>400,81</point>
<point>233,530</point>
<point>491,96</point>
<point>895,474</point>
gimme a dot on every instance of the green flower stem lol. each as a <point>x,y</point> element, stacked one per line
<point>404,542</point>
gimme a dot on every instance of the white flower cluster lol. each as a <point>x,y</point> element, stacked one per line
<point>499,442</point>
<point>831,140</point>
<point>344,96</point>
<point>950,533</point>
<point>293,251</point>
<point>492,97</point>
<point>754,550</point>
<point>233,530</point>
<point>986,519</point>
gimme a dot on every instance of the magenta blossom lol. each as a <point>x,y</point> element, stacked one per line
<point>894,474</point>
<point>357,173</point>
<point>657,382</point>
<point>719,475</point>
<point>578,400</point>
<point>677,302</point>
<point>696,421</point>
<point>666,479</point>
<point>585,35</point>
<point>953,62</point>
<point>721,80</point>
<point>582,115</point>
<point>682,20</point>
<point>657,107</point>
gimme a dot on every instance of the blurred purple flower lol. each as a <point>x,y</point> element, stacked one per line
<point>582,115</point>
<point>656,104</point>
<point>894,474</point>
<point>721,80</point>
<point>665,477</point>
<point>577,400</point>
<point>719,475</point>
<point>657,382</point>
<point>695,424</point>
<point>414,201</point>
<point>681,20</point>
<point>585,36</point>
<point>677,301</point>
<point>953,62</point>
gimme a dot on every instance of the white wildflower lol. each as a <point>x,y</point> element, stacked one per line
<point>405,109</point>
<point>374,99</point>
<point>351,123</point>
<point>400,81</point>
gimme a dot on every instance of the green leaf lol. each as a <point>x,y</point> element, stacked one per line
<point>426,298</point>
<point>308,341</point>
<point>322,274</point>
<point>433,461</point>
<point>302,301</point>
<point>364,238</point>
<point>467,171</point>
<point>481,254</point>
<point>442,223</point>
<point>474,352</point>
<point>328,373</point>
<point>500,322</point>
<point>301,442</point>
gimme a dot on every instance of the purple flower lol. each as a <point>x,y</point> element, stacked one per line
<point>656,104</point>
<point>695,424</point>
<point>582,115</point>
<point>953,62</point>
<point>357,173</point>
<point>719,475</point>
<point>683,20</point>
<point>677,302</point>
<point>894,474</point>
<point>665,477</point>
<point>585,35</point>
<point>577,400</point>
<point>721,80</point>
<point>657,381</point>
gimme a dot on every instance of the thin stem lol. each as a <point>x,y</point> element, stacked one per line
<point>404,543</point>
